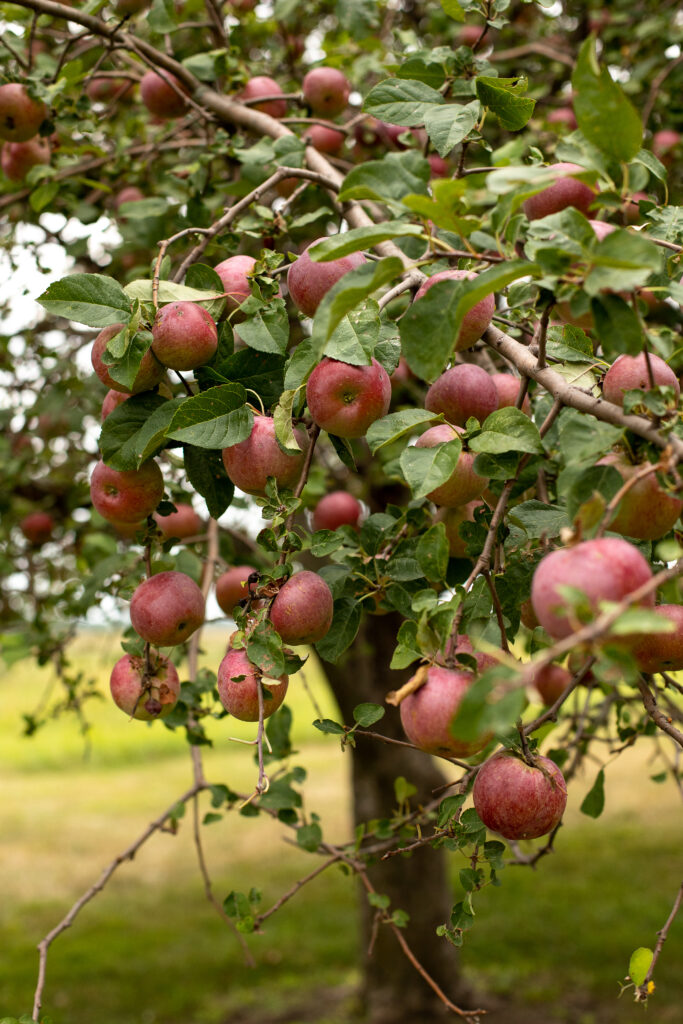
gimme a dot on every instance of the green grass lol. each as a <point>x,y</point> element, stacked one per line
<point>551,943</point>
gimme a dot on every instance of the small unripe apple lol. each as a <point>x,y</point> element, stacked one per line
<point>463,484</point>
<point>628,373</point>
<point>519,800</point>
<point>309,282</point>
<point>326,90</point>
<point>167,608</point>
<point>17,158</point>
<point>507,386</point>
<point>551,681</point>
<point>344,399</point>
<point>338,508</point>
<point>303,608</point>
<point>660,652</point>
<point>141,696</point>
<point>476,320</point>
<point>160,98</point>
<point>184,336</point>
<point>238,683</point>
<point>261,85</point>
<point>37,527</point>
<point>647,511</point>
<point>20,116</point>
<point>252,461</point>
<point>564,191</point>
<point>463,391</point>
<point>605,569</point>
<point>179,524</point>
<point>112,399</point>
<point>325,139</point>
<point>233,272</point>
<point>231,587</point>
<point>150,373</point>
<point>126,496</point>
<point>427,713</point>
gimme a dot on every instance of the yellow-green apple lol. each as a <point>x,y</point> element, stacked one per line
<point>344,399</point>
<point>167,608</point>
<point>453,518</point>
<point>519,800</point>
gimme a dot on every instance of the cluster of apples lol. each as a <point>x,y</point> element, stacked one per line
<point>20,119</point>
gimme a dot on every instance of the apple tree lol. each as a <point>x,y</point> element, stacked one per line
<point>403,279</point>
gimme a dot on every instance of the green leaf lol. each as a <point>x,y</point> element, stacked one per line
<point>604,481</point>
<point>309,837</point>
<point>264,648</point>
<point>355,336</point>
<point>403,789</point>
<point>430,326</point>
<point>401,101</point>
<point>206,473</point>
<point>125,368</point>
<point>639,620</point>
<point>425,469</point>
<point>267,330</point>
<point>366,715</point>
<point>396,424</point>
<point>505,98</point>
<point>639,965</point>
<point>42,196</point>
<point>90,299</point>
<point>258,371</point>
<point>284,428</point>
<point>326,725</point>
<point>432,552</point>
<point>217,418</point>
<point>169,291</point>
<point>604,115</point>
<point>356,239</point>
<point>395,176</point>
<point>442,207</point>
<point>448,125</point>
<point>507,430</point>
<point>538,519</point>
<point>136,430</point>
<point>594,801</point>
<point>347,613</point>
<point>453,9</point>
<point>622,261</point>
<point>421,69</point>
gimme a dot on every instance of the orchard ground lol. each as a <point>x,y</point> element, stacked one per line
<point>549,946</point>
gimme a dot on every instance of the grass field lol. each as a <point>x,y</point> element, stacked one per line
<point>549,945</point>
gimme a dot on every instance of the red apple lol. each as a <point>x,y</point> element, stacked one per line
<point>463,484</point>
<point>252,461</point>
<point>238,685</point>
<point>605,569</point>
<point>159,96</point>
<point>463,645</point>
<point>507,386</point>
<point>231,587</point>
<point>324,139</point>
<point>303,608</point>
<point>338,508</point>
<point>167,608</point>
<point>309,282</point>
<point>234,272</point>
<point>628,373</point>
<point>127,496</point>
<point>150,373</point>
<point>344,399</point>
<point>647,511</point>
<point>141,696</point>
<point>103,90</point>
<point>463,391</point>
<point>37,527</point>
<point>129,194</point>
<point>440,168</point>
<point>326,90</point>
<point>518,800</point>
<point>661,652</point>
<point>180,524</point>
<point>184,336</point>
<point>112,399</point>
<point>563,192</point>
<point>20,115</point>
<point>551,681</point>
<point>427,713</point>
<point>261,85</point>
<point>664,141</point>
<point>469,34</point>
<point>563,115</point>
<point>17,158</point>
<point>476,320</point>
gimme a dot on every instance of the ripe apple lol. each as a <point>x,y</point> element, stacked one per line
<point>628,373</point>
<point>518,800</point>
<point>325,139</point>
<point>261,85</point>
<point>129,194</point>
<point>463,391</point>
<point>20,116</point>
<point>664,141</point>
<point>180,524</point>
<point>184,336</point>
<point>141,696</point>
<point>233,272</point>
<point>605,569</point>
<point>647,511</point>
<point>440,167</point>
<point>326,90</point>
<point>231,587</point>
<point>469,34</point>
<point>303,608</point>
<point>551,681</point>
<point>252,461</point>
<point>160,98</point>
<point>238,682</point>
<point>563,192</point>
<point>463,645</point>
<point>476,320</point>
<point>150,373</point>
<point>309,282</point>
<point>37,527</point>
<point>167,608</point>
<point>103,90</point>
<point>17,158</point>
<point>345,399</point>
<point>111,400</point>
<point>463,484</point>
<point>453,518</point>
<point>338,508</point>
<point>660,652</point>
<point>631,209</point>
<point>563,115</point>
<point>507,386</point>
<point>126,496</point>
<point>427,713</point>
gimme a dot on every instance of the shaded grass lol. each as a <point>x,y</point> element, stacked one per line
<point>551,943</point>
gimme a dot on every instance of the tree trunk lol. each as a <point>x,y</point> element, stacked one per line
<point>393,991</point>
